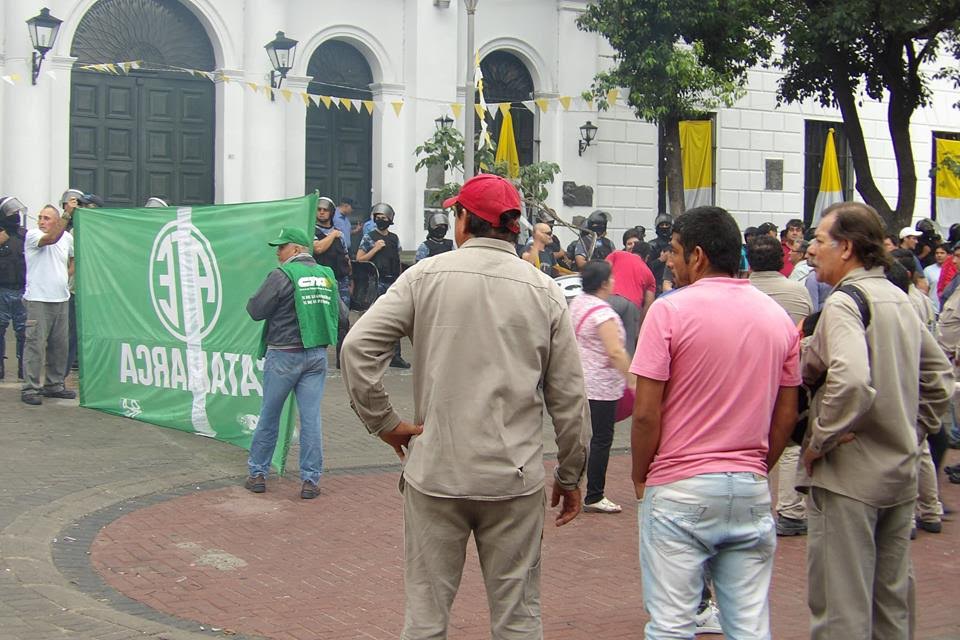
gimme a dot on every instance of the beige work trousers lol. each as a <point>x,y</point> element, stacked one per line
<point>789,500</point>
<point>929,508</point>
<point>508,535</point>
<point>857,566</point>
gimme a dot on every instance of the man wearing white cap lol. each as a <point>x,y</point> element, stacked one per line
<point>909,237</point>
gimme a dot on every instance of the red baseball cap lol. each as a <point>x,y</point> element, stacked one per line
<point>488,196</point>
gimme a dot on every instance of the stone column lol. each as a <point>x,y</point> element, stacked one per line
<point>295,134</point>
<point>229,146</point>
<point>392,168</point>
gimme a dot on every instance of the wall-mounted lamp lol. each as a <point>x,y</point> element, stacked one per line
<point>588,132</point>
<point>281,51</point>
<point>43,33</point>
<point>443,122</point>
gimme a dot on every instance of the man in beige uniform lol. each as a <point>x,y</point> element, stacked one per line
<point>493,343</point>
<point>884,384</point>
<point>765,256</point>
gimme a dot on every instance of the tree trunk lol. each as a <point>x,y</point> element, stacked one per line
<point>866,186</point>
<point>898,120</point>
<point>674,161</point>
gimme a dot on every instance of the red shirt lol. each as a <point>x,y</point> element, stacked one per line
<point>787,265</point>
<point>631,276</point>
<point>947,272</point>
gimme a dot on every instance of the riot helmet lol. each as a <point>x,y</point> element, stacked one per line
<point>384,209</point>
<point>10,206</point>
<point>597,221</point>
<point>664,226</point>
<point>153,202</point>
<point>438,225</point>
<point>326,203</point>
<point>70,193</point>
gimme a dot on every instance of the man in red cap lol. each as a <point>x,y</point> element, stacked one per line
<point>494,343</point>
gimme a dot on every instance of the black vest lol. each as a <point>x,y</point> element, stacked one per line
<point>13,267</point>
<point>335,256</point>
<point>436,247</point>
<point>387,260</point>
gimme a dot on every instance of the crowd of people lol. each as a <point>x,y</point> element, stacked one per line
<point>852,338</point>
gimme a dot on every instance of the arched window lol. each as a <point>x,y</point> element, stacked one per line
<point>506,79</point>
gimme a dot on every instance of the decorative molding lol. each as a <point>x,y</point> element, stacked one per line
<point>61,62</point>
<point>380,89</point>
<point>376,54</point>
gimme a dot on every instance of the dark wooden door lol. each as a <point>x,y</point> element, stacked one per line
<point>340,141</point>
<point>136,136</point>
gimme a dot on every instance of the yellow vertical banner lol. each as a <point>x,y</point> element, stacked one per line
<point>831,190</point>
<point>947,187</point>
<point>507,146</point>
<point>696,152</point>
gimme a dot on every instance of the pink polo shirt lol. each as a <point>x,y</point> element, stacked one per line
<point>724,350</point>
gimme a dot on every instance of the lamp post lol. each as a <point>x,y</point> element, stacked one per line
<point>471,6</point>
<point>588,132</point>
<point>281,51</point>
<point>43,33</point>
<point>443,122</point>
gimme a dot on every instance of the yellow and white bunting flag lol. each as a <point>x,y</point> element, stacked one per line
<point>948,183</point>
<point>696,152</point>
<point>612,96</point>
<point>346,102</point>
<point>831,190</point>
<point>326,100</point>
<point>286,93</point>
<point>480,111</point>
<point>564,102</point>
<point>457,109</point>
<point>543,104</point>
<point>305,97</point>
<point>368,105</point>
<point>253,86</point>
<point>397,106</point>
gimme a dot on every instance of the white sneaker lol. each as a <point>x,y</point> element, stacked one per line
<point>708,620</point>
<point>602,506</point>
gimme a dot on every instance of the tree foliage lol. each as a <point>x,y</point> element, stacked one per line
<point>839,54</point>
<point>661,61</point>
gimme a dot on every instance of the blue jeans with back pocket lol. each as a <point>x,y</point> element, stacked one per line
<point>716,521</point>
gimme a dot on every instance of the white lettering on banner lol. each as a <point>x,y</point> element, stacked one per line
<point>163,368</point>
<point>313,281</point>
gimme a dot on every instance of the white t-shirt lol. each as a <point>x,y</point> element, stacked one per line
<point>47,267</point>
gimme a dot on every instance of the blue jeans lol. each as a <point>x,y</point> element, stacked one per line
<point>12,310</point>
<point>304,373</point>
<point>716,521</point>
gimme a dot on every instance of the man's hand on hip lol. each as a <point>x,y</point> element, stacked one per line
<point>572,503</point>
<point>399,437</point>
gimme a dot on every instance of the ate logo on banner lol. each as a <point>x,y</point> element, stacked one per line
<point>185,285</point>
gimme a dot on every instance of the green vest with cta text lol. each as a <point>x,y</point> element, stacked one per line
<point>317,302</point>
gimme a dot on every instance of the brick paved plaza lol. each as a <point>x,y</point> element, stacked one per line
<point>113,529</point>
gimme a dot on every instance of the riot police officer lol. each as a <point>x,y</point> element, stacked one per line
<point>664,229</point>
<point>13,278</point>
<point>436,242</point>
<point>382,248</point>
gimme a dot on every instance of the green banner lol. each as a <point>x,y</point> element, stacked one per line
<point>161,314</point>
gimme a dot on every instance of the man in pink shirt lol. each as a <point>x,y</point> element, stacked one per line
<point>633,292</point>
<point>718,366</point>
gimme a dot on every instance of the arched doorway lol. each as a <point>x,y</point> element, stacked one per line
<point>340,141</point>
<point>149,132</point>
<point>507,79</point>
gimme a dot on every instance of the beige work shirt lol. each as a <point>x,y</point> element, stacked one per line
<point>884,385</point>
<point>789,294</point>
<point>493,344</point>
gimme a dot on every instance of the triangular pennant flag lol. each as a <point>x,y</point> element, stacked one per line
<point>326,101</point>
<point>253,86</point>
<point>314,99</point>
<point>565,102</point>
<point>305,98</point>
<point>543,104</point>
<point>480,110</point>
<point>397,105</point>
<point>358,105</point>
<point>286,93</point>
<point>457,109</point>
<point>114,69</point>
<point>612,95</point>
<point>346,102</point>
<point>7,79</point>
<point>126,67</point>
<point>504,108</point>
<point>529,104</point>
<point>135,64</point>
<point>335,100</point>
<point>226,79</point>
<point>369,106</point>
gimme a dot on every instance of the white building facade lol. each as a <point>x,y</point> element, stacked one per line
<point>193,140</point>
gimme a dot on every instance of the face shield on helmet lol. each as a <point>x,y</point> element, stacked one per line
<point>155,202</point>
<point>10,206</point>
<point>664,226</point>
<point>597,221</point>
<point>70,193</point>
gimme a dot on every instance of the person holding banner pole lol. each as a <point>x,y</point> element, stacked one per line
<point>300,304</point>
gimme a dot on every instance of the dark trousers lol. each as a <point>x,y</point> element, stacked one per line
<point>12,311</point>
<point>602,414</point>
<point>72,344</point>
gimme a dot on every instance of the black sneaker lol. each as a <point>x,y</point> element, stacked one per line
<point>791,526</point>
<point>65,394</point>
<point>399,363</point>
<point>930,527</point>
<point>256,484</point>
<point>309,490</point>
<point>31,398</point>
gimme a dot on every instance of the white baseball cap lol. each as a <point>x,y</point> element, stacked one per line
<point>909,231</point>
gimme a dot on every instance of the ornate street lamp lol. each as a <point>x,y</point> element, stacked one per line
<point>281,51</point>
<point>588,132</point>
<point>43,33</point>
<point>443,122</point>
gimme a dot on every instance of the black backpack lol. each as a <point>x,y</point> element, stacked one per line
<point>805,397</point>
